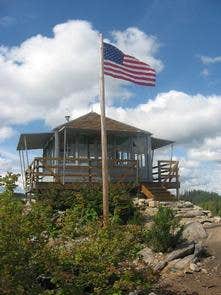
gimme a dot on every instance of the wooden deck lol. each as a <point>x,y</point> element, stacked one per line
<point>45,173</point>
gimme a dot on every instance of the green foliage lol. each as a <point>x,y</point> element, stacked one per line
<point>207,200</point>
<point>21,245</point>
<point>57,245</point>
<point>85,203</point>
<point>100,263</point>
<point>8,182</point>
<point>165,232</point>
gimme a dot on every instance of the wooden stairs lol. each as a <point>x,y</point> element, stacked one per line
<point>156,191</point>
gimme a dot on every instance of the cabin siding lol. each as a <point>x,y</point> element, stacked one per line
<point>121,146</point>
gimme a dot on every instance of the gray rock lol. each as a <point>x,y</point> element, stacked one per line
<point>194,267</point>
<point>194,231</point>
<point>147,255</point>
<point>190,214</point>
<point>159,266</point>
<point>181,252</point>
<point>199,249</point>
<point>184,263</point>
<point>186,204</point>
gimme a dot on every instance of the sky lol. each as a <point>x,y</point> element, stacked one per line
<point>49,67</point>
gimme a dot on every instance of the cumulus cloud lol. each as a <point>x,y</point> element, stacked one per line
<point>176,115</point>
<point>43,76</point>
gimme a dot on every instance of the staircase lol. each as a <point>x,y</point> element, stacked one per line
<point>156,191</point>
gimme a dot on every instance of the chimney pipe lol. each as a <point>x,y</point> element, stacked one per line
<point>67,118</point>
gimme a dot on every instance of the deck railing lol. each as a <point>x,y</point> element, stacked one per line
<point>74,170</point>
<point>167,174</point>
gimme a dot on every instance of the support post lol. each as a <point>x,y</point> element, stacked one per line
<point>64,154</point>
<point>105,184</point>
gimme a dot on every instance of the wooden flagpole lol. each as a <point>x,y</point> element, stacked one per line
<point>105,184</point>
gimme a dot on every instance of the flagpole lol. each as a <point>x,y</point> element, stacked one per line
<point>105,184</point>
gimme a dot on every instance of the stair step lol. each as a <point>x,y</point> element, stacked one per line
<point>156,191</point>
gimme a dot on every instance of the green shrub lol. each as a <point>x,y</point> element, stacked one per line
<point>165,232</point>
<point>101,262</point>
<point>87,199</point>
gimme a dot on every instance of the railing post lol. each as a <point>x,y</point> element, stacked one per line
<point>159,172</point>
<point>89,170</point>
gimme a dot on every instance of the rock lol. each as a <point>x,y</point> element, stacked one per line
<point>152,293</point>
<point>153,204</point>
<point>194,267</point>
<point>186,204</point>
<point>199,249</point>
<point>181,252</point>
<point>184,263</point>
<point>217,219</point>
<point>194,231</point>
<point>190,214</point>
<point>159,266</point>
<point>203,270</point>
<point>147,255</point>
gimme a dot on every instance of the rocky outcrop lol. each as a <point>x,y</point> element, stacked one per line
<point>194,231</point>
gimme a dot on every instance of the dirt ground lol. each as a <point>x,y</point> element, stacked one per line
<point>205,282</point>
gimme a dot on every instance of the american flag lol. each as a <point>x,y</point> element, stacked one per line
<point>126,67</point>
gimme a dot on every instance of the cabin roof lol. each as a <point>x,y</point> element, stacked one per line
<point>32,141</point>
<point>92,121</point>
<point>157,143</point>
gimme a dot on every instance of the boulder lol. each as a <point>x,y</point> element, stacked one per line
<point>190,214</point>
<point>147,255</point>
<point>183,251</point>
<point>181,264</point>
<point>160,265</point>
<point>194,231</point>
<point>186,204</point>
<point>194,267</point>
<point>217,219</point>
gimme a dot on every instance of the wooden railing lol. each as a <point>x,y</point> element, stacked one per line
<point>167,174</point>
<point>74,170</point>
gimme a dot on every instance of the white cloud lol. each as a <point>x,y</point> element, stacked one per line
<point>176,115</point>
<point>205,72</point>
<point>5,133</point>
<point>44,76</point>
<point>206,60</point>
<point>208,150</point>
<point>135,42</point>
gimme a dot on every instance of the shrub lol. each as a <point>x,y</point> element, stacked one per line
<point>100,263</point>
<point>165,232</point>
<point>87,200</point>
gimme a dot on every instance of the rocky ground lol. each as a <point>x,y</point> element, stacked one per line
<point>195,266</point>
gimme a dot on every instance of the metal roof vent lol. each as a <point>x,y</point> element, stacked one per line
<point>67,118</point>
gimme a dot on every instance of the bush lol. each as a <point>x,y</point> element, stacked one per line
<point>165,232</point>
<point>100,263</point>
<point>86,202</point>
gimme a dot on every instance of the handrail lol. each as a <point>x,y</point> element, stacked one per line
<point>51,169</point>
<point>166,172</point>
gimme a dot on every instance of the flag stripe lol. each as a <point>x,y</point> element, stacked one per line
<point>126,67</point>
<point>140,75</point>
<point>131,80</point>
<point>129,69</point>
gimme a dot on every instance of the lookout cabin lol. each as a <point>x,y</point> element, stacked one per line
<point>71,155</point>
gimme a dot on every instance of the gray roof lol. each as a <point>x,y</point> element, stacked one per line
<point>157,143</point>
<point>92,121</point>
<point>33,141</point>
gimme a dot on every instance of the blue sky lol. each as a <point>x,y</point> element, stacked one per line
<point>183,36</point>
